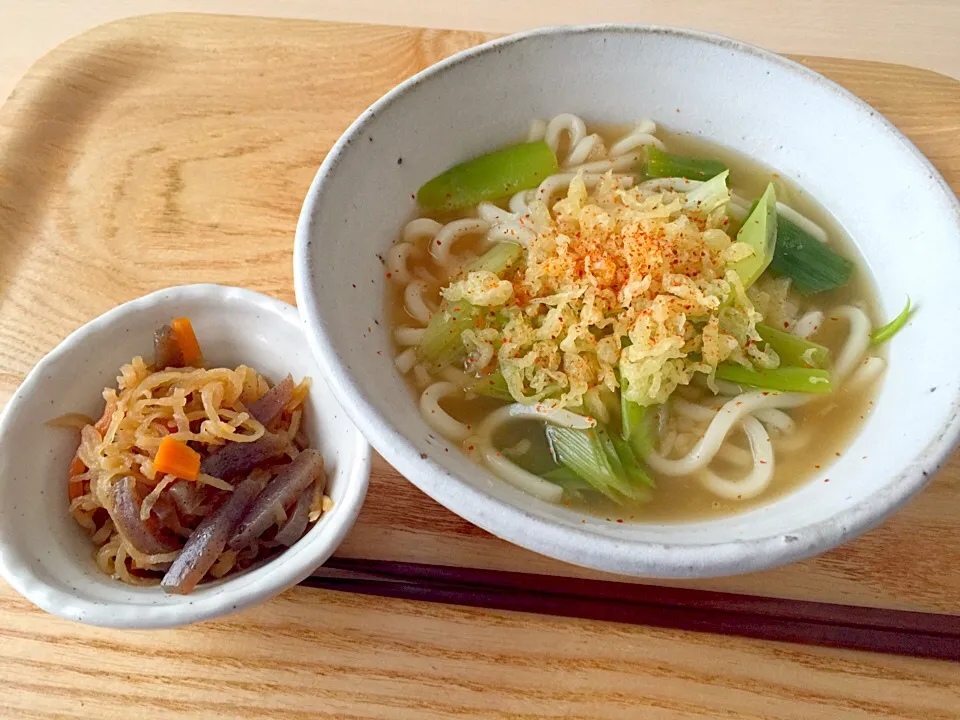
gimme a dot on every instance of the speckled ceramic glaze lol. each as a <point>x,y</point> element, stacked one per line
<point>46,556</point>
<point>889,198</point>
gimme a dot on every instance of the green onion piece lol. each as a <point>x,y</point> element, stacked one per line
<point>441,343</point>
<point>759,231</point>
<point>636,425</point>
<point>813,266</point>
<point>489,177</point>
<point>499,259</point>
<point>708,196</point>
<point>567,479</point>
<point>632,468</point>
<point>783,379</point>
<point>663,164</point>
<point>581,452</point>
<point>606,442</point>
<point>882,334</point>
<point>493,385</point>
<point>792,349</point>
<point>584,452</point>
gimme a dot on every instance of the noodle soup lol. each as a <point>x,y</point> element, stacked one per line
<point>639,324</point>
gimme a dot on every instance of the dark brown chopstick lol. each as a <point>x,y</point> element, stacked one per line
<point>842,626</point>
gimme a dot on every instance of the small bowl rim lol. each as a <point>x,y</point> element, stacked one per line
<point>285,570</point>
<point>570,544</point>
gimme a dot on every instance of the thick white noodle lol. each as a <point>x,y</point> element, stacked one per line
<point>421,228</point>
<point>442,243</point>
<point>511,232</point>
<point>520,202</point>
<point>675,184</point>
<point>639,137</point>
<point>568,124</point>
<point>406,360</point>
<point>538,128</point>
<point>776,420</point>
<point>415,303</point>
<point>396,261</point>
<point>858,340</point>
<point>725,387</point>
<point>492,214</point>
<point>405,336</point>
<point>866,372</point>
<point>808,324</point>
<point>544,412</point>
<point>421,376</point>
<point>802,222</point>
<point>509,471</point>
<point>622,164</point>
<point>758,479</point>
<point>438,418</point>
<point>555,183</point>
<point>579,154</point>
<point>456,376</point>
<point>692,410</point>
<point>726,419</point>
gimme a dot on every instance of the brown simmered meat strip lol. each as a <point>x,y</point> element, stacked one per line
<point>293,528</point>
<point>166,349</point>
<point>145,536</point>
<point>274,400</point>
<point>207,541</point>
<point>236,458</point>
<point>296,477</point>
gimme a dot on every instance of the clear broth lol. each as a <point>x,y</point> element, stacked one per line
<point>834,419</point>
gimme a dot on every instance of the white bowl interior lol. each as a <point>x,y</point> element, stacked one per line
<point>899,211</point>
<point>47,556</point>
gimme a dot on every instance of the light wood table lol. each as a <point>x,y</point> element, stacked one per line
<point>312,653</point>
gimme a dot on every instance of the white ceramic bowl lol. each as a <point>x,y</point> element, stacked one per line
<point>43,552</point>
<point>900,212</point>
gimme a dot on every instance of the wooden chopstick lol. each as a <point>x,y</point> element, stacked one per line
<point>843,626</point>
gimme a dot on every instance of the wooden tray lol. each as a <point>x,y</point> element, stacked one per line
<point>176,149</point>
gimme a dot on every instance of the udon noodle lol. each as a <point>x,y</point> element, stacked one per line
<point>641,337</point>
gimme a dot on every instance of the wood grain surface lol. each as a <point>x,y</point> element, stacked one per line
<point>318,654</point>
<point>177,149</point>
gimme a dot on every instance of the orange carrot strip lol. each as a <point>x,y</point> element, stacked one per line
<point>77,489</point>
<point>77,467</point>
<point>187,340</point>
<point>177,458</point>
<point>74,488</point>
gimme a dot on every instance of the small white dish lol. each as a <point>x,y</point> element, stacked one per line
<point>902,215</point>
<point>46,556</point>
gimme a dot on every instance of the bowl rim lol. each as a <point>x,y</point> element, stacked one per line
<point>287,569</point>
<point>571,544</point>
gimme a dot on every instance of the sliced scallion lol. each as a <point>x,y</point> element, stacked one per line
<point>793,349</point>
<point>813,266</point>
<point>882,334</point>
<point>441,343</point>
<point>493,385</point>
<point>632,468</point>
<point>489,177</point>
<point>499,259</point>
<point>663,164</point>
<point>783,379</point>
